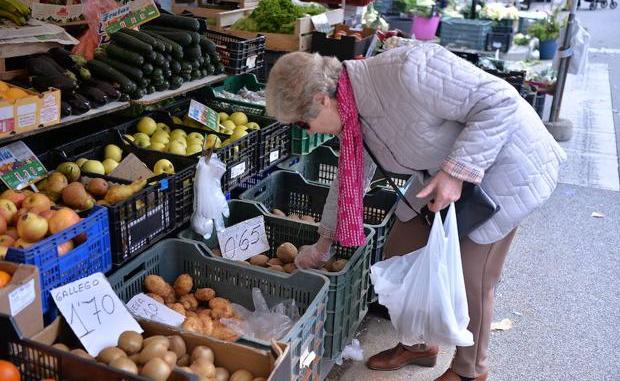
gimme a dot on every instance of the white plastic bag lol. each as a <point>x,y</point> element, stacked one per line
<point>424,290</point>
<point>580,43</point>
<point>210,206</point>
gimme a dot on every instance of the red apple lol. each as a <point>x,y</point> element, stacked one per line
<point>47,214</point>
<point>3,225</point>
<point>62,219</point>
<point>22,244</point>
<point>16,196</point>
<point>65,248</point>
<point>31,227</point>
<point>12,232</point>
<point>37,201</point>
<point>6,240</point>
<point>8,210</point>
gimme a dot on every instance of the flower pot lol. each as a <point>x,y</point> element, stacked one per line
<point>424,28</point>
<point>547,49</point>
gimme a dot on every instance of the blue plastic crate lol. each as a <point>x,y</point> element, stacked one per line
<point>91,256</point>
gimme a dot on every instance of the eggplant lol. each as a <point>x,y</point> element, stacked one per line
<point>63,58</point>
<point>58,81</point>
<point>94,95</point>
<point>65,108</point>
<point>44,65</point>
<point>79,104</point>
<point>107,88</point>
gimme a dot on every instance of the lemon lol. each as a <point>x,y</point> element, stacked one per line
<point>239,118</point>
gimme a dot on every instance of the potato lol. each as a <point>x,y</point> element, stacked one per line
<point>135,357</point>
<point>259,260</point>
<point>177,307</point>
<point>125,364</point>
<point>61,347</point>
<point>204,368</point>
<point>156,339</point>
<point>156,369</point>
<point>82,353</point>
<point>278,212</point>
<point>207,326</point>
<point>290,268</point>
<point>204,294</point>
<point>156,297</point>
<point>308,219</point>
<point>220,331</point>
<point>177,345</point>
<point>157,285</point>
<point>109,354</point>
<point>338,265</point>
<point>130,342</point>
<point>276,268</point>
<point>294,216</point>
<point>241,375</point>
<point>222,312</point>
<point>275,262</point>
<point>202,351</point>
<point>188,301</point>
<point>183,360</point>
<point>151,351</point>
<point>218,302</point>
<point>205,313</point>
<point>192,324</point>
<point>183,284</point>
<point>171,358</point>
<point>260,379</point>
<point>221,374</point>
<point>191,314</point>
<point>286,252</point>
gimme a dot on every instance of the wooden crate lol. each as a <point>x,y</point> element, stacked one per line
<point>18,52</point>
<point>301,39</point>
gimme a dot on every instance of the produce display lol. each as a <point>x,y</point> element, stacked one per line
<point>15,11</point>
<point>276,16</point>
<point>155,357</point>
<point>293,216</point>
<point>202,308</point>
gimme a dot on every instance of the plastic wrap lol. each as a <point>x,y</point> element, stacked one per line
<point>210,206</point>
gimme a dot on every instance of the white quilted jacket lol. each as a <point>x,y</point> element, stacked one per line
<point>422,105</point>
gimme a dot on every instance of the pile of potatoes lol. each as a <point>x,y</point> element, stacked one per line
<point>284,261</point>
<point>293,216</point>
<point>155,357</point>
<point>202,308</point>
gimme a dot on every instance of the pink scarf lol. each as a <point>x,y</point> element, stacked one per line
<point>350,224</point>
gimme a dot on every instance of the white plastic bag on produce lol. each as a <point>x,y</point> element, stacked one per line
<point>424,290</point>
<point>264,323</point>
<point>210,206</point>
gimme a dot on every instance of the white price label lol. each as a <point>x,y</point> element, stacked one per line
<point>237,170</point>
<point>321,23</point>
<point>307,356</point>
<point>150,309</point>
<point>21,297</point>
<point>244,240</point>
<point>94,312</point>
<point>250,62</point>
<point>273,156</point>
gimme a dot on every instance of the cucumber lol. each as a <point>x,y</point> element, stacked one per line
<point>131,43</point>
<point>158,59</point>
<point>210,69</point>
<point>180,22</point>
<point>175,82</point>
<point>182,38</point>
<point>192,53</point>
<point>124,97</point>
<point>175,67</point>
<point>167,73</point>
<point>186,76</point>
<point>186,66</point>
<point>144,83</point>
<point>201,61</point>
<point>124,55</point>
<point>155,43</point>
<point>219,68</point>
<point>157,72</point>
<point>196,74</point>
<point>167,45</point>
<point>208,45</point>
<point>195,64</point>
<point>168,57</point>
<point>163,87</point>
<point>207,60</point>
<point>204,72</point>
<point>147,69</point>
<point>150,89</point>
<point>176,50</point>
<point>139,93</point>
<point>131,72</point>
<point>102,70</point>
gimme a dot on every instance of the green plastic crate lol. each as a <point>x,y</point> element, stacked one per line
<point>303,142</point>
<point>235,281</point>
<point>233,85</point>
<point>348,289</point>
<point>321,166</point>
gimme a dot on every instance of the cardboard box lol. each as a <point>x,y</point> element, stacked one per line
<point>21,298</point>
<point>27,113</point>
<point>273,364</point>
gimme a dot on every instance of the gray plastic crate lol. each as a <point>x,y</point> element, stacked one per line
<point>235,281</point>
<point>464,33</point>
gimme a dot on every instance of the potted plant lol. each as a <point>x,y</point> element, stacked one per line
<point>425,17</point>
<point>547,32</point>
<point>504,17</point>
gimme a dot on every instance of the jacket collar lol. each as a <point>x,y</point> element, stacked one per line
<point>366,97</point>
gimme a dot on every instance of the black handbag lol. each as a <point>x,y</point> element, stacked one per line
<point>473,209</point>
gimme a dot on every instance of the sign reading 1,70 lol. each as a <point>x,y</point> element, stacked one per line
<point>244,240</point>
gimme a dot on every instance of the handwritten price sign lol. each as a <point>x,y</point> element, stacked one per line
<point>94,312</point>
<point>150,309</point>
<point>244,240</point>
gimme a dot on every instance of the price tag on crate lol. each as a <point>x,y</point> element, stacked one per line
<point>321,23</point>
<point>237,170</point>
<point>19,166</point>
<point>150,309</point>
<point>129,15</point>
<point>244,240</point>
<point>94,312</point>
<point>273,156</point>
<point>203,114</point>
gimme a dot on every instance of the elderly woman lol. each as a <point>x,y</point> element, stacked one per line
<point>422,111</point>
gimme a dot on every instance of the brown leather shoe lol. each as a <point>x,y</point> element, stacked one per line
<point>450,375</point>
<point>401,355</point>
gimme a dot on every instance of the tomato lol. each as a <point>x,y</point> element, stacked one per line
<point>8,371</point>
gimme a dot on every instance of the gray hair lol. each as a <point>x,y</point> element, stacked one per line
<point>294,81</point>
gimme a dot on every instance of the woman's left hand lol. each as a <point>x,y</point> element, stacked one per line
<point>444,189</point>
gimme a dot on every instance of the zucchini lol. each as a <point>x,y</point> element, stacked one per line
<point>175,67</point>
<point>144,83</point>
<point>175,82</point>
<point>154,42</point>
<point>204,72</point>
<point>133,73</point>
<point>168,57</point>
<point>157,72</point>
<point>124,97</point>
<point>219,68</point>
<point>65,108</point>
<point>147,69</point>
<point>192,53</point>
<point>206,59</point>
<point>201,61</point>
<point>186,66</point>
<point>150,89</point>
<point>208,45</point>
<point>124,55</point>
<point>104,71</point>
<point>176,50</point>
<point>180,22</point>
<point>159,60</point>
<point>131,43</point>
<point>196,74</point>
<point>182,38</point>
<point>195,64</point>
<point>167,73</point>
<point>163,86</point>
<point>186,76</point>
<point>210,69</point>
<point>139,93</point>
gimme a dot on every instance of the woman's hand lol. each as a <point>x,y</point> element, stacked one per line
<point>444,188</point>
<point>314,256</point>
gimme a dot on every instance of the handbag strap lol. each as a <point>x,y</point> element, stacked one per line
<point>389,179</point>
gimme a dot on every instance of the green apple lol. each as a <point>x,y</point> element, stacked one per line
<point>178,133</point>
<point>238,134</point>
<point>113,152</point>
<point>222,117</point>
<point>160,137</point>
<point>213,141</point>
<point>157,147</point>
<point>176,148</point>
<point>163,166</point>
<point>163,126</point>
<point>80,162</point>
<point>147,125</point>
<point>181,141</point>
<point>129,137</point>
<point>194,141</point>
<point>252,126</point>
<point>109,165</point>
<point>93,166</point>
<point>194,148</point>
<point>195,135</point>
